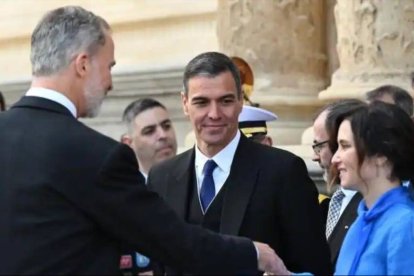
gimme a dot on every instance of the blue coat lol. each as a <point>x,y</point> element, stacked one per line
<point>390,243</point>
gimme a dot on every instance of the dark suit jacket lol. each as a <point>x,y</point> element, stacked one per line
<point>69,196</point>
<point>345,221</point>
<point>269,198</point>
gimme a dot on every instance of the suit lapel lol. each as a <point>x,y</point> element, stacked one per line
<point>240,184</point>
<point>348,216</point>
<point>344,223</point>
<point>177,193</point>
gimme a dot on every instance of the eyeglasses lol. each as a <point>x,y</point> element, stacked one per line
<point>317,147</point>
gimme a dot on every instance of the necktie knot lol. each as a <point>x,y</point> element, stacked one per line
<point>338,196</point>
<point>209,167</point>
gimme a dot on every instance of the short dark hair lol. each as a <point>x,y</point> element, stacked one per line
<point>383,129</point>
<point>400,96</point>
<point>137,107</point>
<point>2,102</point>
<point>211,64</point>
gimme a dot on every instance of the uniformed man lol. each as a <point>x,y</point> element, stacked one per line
<point>252,122</point>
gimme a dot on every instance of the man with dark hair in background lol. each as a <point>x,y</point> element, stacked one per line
<point>394,95</point>
<point>150,134</point>
<point>233,185</point>
<point>70,195</point>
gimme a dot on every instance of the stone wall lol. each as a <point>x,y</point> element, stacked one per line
<point>153,42</point>
<point>304,53</point>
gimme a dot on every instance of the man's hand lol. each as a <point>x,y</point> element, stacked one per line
<point>269,261</point>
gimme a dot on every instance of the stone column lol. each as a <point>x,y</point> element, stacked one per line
<point>284,42</point>
<point>375,46</point>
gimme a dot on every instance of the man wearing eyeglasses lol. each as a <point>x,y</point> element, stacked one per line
<point>342,208</point>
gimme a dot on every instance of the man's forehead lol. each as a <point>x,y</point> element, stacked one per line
<point>151,116</point>
<point>319,127</point>
<point>203,83</point>
<point>212,96</point>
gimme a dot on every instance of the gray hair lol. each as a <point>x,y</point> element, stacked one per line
<point>61,35</point>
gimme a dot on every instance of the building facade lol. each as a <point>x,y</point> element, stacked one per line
<point>304,53</point>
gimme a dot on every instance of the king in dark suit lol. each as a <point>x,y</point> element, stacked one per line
<point>259,192</point>
<point>70,195</point>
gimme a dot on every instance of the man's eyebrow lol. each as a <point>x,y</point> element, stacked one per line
<point>230,95</point>
<point>148,126</point>
<point>166,121</point>
<point>199,98</point>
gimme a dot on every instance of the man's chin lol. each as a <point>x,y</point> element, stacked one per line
<point>166,153</point>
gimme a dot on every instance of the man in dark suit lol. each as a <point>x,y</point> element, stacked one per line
<point>341,211</point>
<point>235,186</point>
<point>150,134</point>
<point>70,195</point>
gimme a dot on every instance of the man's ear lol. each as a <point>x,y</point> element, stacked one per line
<point>268,141</point>
<point>82,64</point>
<point>126,139</point>
<point>184,101</point>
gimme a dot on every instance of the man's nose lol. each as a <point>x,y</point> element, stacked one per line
<point>162,133</point>
<point>214,111</point>
<point>316,157</point>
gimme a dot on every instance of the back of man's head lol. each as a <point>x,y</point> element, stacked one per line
<point>211,64</point>
<point>137,107</point>
<point>61,34</point>
<point>396,95</point>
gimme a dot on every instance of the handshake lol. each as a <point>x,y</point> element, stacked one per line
<point>269,261</point>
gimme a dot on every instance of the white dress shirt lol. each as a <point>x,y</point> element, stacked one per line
<point>223,159</point>
<point>349,194</point>
<point>145,176</point>
<point>53,96</point>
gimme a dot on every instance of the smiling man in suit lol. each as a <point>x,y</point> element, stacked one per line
<point>232,185</point>
<point>70,195</point>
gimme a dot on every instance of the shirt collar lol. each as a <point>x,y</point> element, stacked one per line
<point>223,158</point>
<point>348,193</point>
<point>145,176</point>
<point>53,96</point>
